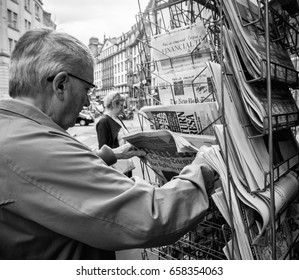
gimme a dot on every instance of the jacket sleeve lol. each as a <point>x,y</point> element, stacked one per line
<point>106,154</point>
<point>68,189</point>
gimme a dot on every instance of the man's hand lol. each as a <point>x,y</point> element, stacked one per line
<point>127,151</point>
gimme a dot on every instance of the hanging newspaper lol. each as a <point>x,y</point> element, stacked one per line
<point>246,20</point>
<point>249,212</point>
<point>188,118</point>
<point>185,85</point>
<point>180,47</point>
<point>167,152</point>
<point>254,95</point>
<point>251,153</point>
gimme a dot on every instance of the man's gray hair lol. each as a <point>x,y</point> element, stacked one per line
<point>42,53</point>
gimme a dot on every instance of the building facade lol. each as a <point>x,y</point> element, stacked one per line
<point>17,17</point>
<point>119,67</point>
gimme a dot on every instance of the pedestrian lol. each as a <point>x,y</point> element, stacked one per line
<point>58,198</point>
<point>111,129</point>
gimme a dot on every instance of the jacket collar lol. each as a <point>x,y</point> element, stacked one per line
<point>28,111</point>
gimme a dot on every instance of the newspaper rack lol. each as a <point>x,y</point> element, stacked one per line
<point>275,75</point>
<point>181,13</point>
<point>287,27</point>
<point>274,171</point>
<point>205,242</point>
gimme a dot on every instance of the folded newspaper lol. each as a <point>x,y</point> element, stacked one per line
<point>168,152</point>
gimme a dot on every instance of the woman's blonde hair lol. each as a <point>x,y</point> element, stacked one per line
<point>113,97</point>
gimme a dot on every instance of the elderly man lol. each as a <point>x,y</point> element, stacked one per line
<point>58,198</point>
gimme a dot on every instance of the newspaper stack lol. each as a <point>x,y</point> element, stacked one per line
<point>251,212</point>
<point>248,161</point>
<point>254,95</point>
<point>252,153</point>
<point>246,21</point>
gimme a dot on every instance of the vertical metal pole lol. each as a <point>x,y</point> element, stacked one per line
<point>192,12</point>
<point>156,18</point>
<point>270,133</point>
<point>225,134</point>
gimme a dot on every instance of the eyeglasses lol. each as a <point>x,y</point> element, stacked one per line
<point>50,79</point>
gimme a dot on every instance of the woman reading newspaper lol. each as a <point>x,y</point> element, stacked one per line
<point>111,129</point>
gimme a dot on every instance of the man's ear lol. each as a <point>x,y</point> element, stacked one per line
<point>60,84</point>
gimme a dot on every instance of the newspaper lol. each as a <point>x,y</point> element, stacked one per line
<point>252,153</point>
<point>184,85</point>
<point>230,201</point>
<point>250,212</point>
<point>180,75</point>
<point>167,152</point>
<point>180,47</point>
<point>254,95</point>
<point>285,188</point>
<point>263,246</point>
<point>247,23</point>
<point>185,118</point>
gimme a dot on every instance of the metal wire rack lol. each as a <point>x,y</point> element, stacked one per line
<point>205,242</point>
<point>208,239</point>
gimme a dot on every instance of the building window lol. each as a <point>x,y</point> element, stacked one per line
<point>11,44</point>
<point>134,64</point>
<point>12,19</point>
<point>27,5</point>
<point>37,11</point>
<point>27,24</point>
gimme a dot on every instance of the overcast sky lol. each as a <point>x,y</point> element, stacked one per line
<point>94,18</point>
